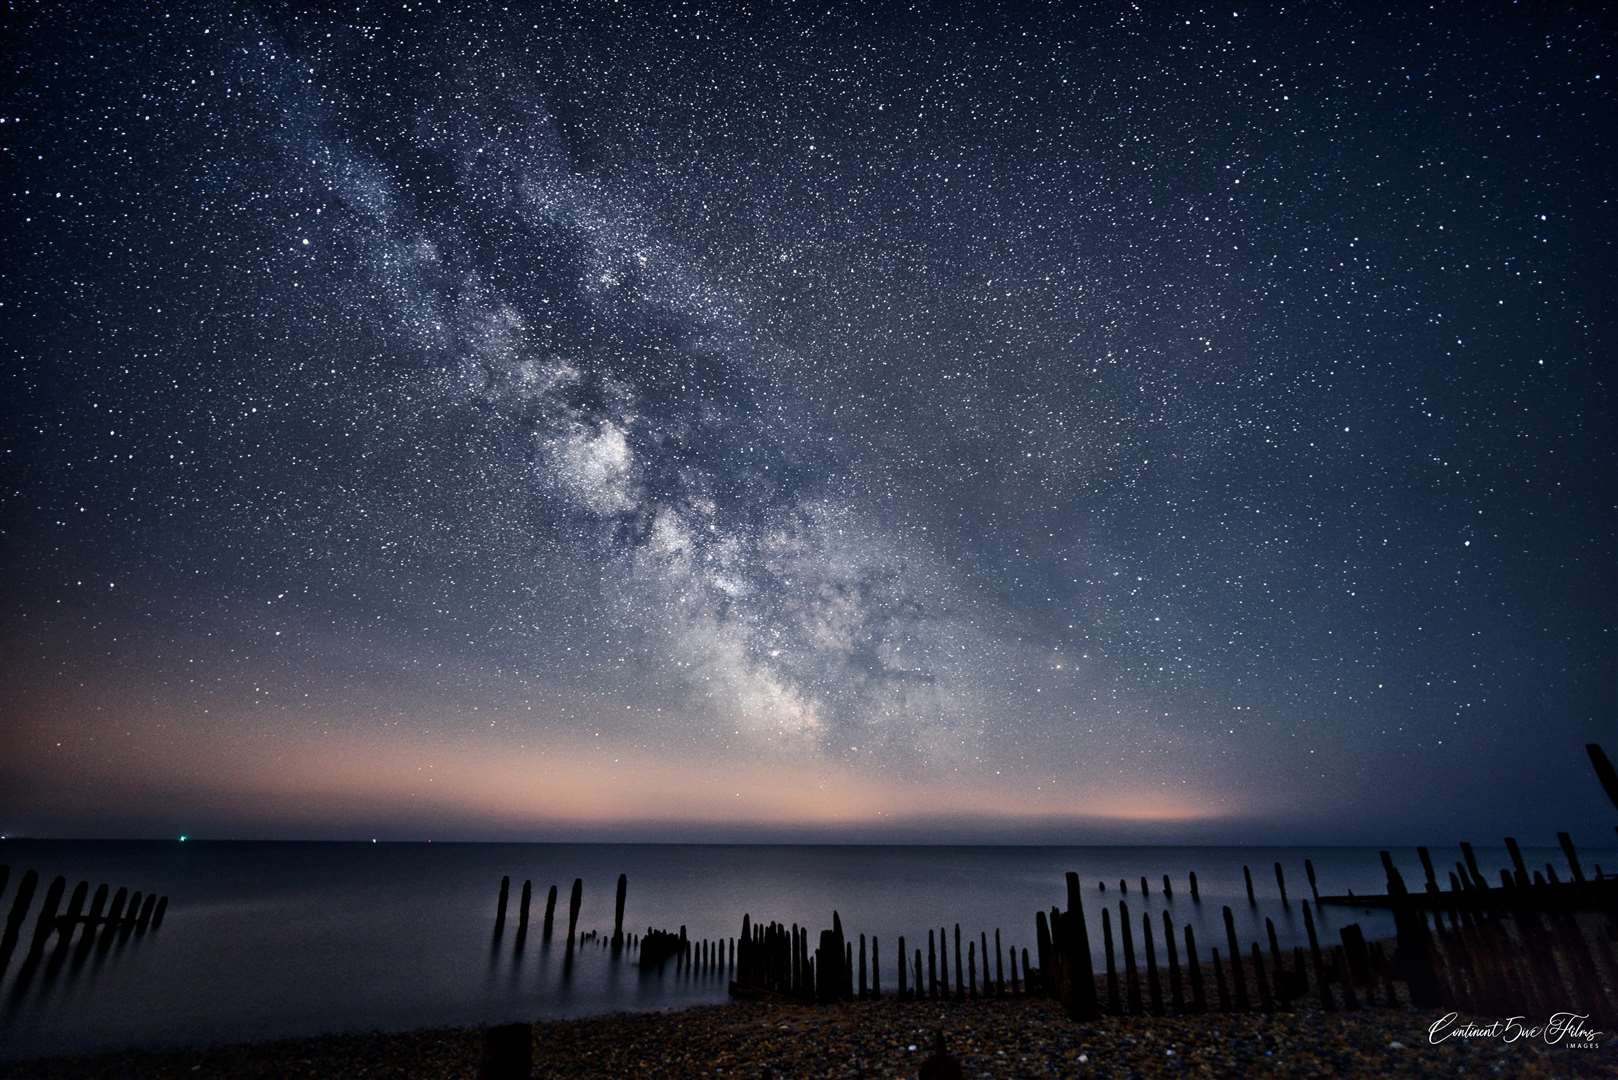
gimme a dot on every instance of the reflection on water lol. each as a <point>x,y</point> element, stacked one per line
<point>274,940</point>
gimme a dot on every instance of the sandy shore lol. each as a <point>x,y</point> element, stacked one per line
<point>1024,1038</point>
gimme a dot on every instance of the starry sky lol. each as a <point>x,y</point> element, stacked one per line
<point>617,420</point>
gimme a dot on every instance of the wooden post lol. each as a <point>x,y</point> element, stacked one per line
<point>1196,898</point>
<point>1604,770</point>
<point>918,971</point>
<point>618,910</point>
<point>999,968</point>
<point>960,983</point>
<point>1427,867</point>
<point>1131,974</point>
<point>1266,1002</point>
<point>98,904</point>
<point>508,1053</point>
<point>18,914</point>
<point>865,990</point>
<point>1027,983</point>
<point>1415,954</point>
<point>131,913</point>
<point>1472,866</point>
<point>1143,891</point>
<point>1082,1003</point>
<point>1238,981</point>
<point>1572,856</point>
<point>1317,962</point>
<point>1219,981</point>
<point>1309,872</point>
<point>1281,884</point>
<point>904,990</point>
<point>1168,888</point>
<point>522,907</point>
<point>1114,1003</point>
<point>573,902</point>
<point>943,962</point>
<point>932,966</point>
<point>144,919</point>
<point>1279,969</point>
<point>47,913</point>
<point>75,907</point>
<point>1154,988</point>
<point>550,913</point>
<point>1351,999</point>
<point>1248,875</point>
<point>1042,947</point>
<point>1176,996</point>
<point>972,969</point>
<point>1521,869</point>
<point>1193,970</point>
<point>500,906</point>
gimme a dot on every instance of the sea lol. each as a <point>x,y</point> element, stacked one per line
<point>265,940</point>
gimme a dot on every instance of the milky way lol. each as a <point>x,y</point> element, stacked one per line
<point>1102,413</point>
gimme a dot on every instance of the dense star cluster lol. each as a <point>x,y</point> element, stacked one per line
<point>1115,411</point>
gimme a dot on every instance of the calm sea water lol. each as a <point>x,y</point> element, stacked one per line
<point>268,940</point>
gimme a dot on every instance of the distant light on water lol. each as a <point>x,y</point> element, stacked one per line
<point>184,838</point>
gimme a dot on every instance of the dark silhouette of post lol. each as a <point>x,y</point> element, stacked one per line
<point>1281,884</point>
<point>618,911</point>
<point>522,907</point>
<point>1114,1002</point>
<point>550,914</point>
<point>1131,974</point>
<point>1247,875</point>
<point>500,906</point>
<point>1571,855</point>
<point>573,903</point>
<point>1236,977</point>
<point>1082,1003</point>
<point>1604,770</point>
<point>1309,872</point>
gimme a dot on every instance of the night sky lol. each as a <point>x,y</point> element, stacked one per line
<point>1060,422</point>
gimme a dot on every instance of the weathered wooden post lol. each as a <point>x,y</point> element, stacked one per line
<point>618,910</point>
<point>1176,995</point>
<point>1168,888</point>
<point>508,1053</point>
<point>69,921</point>
<point>1520,876</point>
<point>1472,866</point>
<point>1143,890</point>
<point>876,968</point>
<point>1193,970</point>
<point>1309,872</point>
<point>960,983</point>
<point>144,920</point>
<point>573,903</point>
<point>971,969</point>
<point>1219,981</point>
<point>1196,898</point>
<point>500,906</point>
<point>1042,947</point>
<point>983,957</point>
<point>1114,1002</point>
<point>1237,979</point>
<point>919,992</point>
<point>1076,956</point>
<point>98,904</point>
<point>1281,884</point>
<point>522,907</point>
<point>1426,858</point>
<point>999,968</point>
<point>1414,956</point>
<point>932,966</point>
<point>1131,974</point>
<point>904,989</point>
<point>865,990</point>
<point>1604,770</point>
<point>550,914</point>
<point>1154,988</point>
<point>1027,980</point>
<point>943,962</point>
<point>47,914</point>
<point>1276,965</point>
<point>18,914</point>
<point>1015,989</point>
<point>1266,1002</point>
<point>1572,856</point>
<point>1247,874</point>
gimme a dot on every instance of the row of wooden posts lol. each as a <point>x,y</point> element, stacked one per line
<point>126,913</point>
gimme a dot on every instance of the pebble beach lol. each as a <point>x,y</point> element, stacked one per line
<point>888,1038</point>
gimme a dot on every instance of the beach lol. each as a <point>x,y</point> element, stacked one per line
<point>888,1038</point>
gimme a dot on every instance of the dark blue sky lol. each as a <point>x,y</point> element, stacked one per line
<point>663,419</point>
